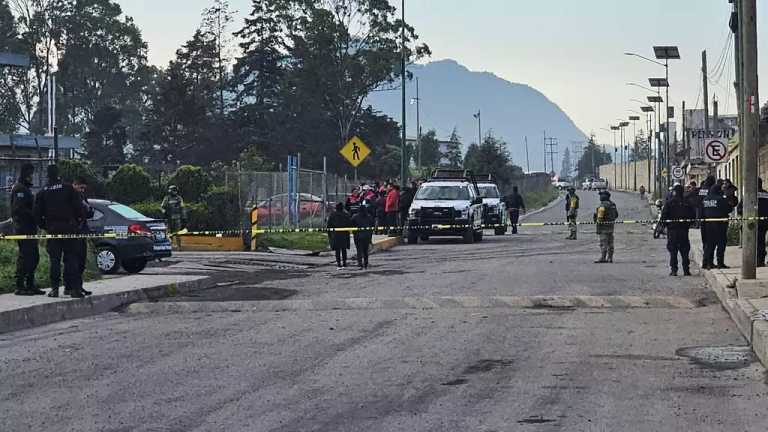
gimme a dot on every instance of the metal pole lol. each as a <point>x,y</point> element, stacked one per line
<point>650,154</point>
<point>403,163</point>
<point>634,159</point>
<point>751,138</point>
<point>418,121</point>
<point>479,129</point>
<point>668,159</point>
<point>527,160</point>
<point>615,168</point>
<point>325,188</point>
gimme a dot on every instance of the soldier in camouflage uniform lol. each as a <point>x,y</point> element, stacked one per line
<point>604,217</point>
<point>173,208</point>
<point>572,212</point>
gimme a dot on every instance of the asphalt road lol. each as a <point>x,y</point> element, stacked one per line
<point>513,334</point>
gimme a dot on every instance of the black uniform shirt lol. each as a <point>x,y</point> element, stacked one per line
<point>59,209</point>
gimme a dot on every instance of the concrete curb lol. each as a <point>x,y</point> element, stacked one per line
<point>741,311</point>
<point>386,244</point>
<point>68,309</point>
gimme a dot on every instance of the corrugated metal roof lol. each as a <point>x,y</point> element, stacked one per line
<point>45,142</point>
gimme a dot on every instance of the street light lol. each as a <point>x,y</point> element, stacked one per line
<point>615,156</point>
<point>404,144</point>
<point>14,60</point>
<point>417,101</point>
<point>634,119</point>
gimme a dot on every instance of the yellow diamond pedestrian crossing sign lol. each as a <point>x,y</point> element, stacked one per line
<point>355,151</point>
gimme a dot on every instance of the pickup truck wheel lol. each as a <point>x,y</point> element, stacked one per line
<point>469,235</point>
<point>478,236</point>
<point>424,238</point>
<point>412,238</point>
<point>500,231</point>
<point>107,260</point>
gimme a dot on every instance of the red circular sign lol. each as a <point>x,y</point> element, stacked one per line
<point>716,151</point>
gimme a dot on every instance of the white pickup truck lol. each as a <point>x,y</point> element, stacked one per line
<point>599,184</point>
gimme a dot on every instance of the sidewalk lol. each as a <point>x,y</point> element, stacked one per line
<point>745,301</point>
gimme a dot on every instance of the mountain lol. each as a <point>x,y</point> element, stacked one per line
<point>450,94</point>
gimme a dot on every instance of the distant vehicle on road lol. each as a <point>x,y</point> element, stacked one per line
<point>494,208</point>
<point>449,204</point>
<point>599,184</point>
<point>562,184</point>
<point>145,239</point>
<point>587,184</point>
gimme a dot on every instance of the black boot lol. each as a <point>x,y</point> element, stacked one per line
<point>673,272</point>
<point>54,293</point>
<point>77,294</point>
<point>686,272</point>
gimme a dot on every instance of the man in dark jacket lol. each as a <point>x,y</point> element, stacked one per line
<point>716,206</point>
<point>762,224</point>
<point>678,209</point>
<point>339,224</point>
<point>515,204</point>
<point>59,210</point>
<point>703,192</point>
<point>364,236</point>
<point>22,213</point>
<point>406,199</point>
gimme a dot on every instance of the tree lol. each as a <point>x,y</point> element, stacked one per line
<point>492,157</point>
<point>103,62</point>
<point>642,148</point>
<point>430,149</point>
<point>192,181</point>
<point>130,184</point>
<point>10,111</point>
<point>309,65</point>
<point>453,153</point>
<point>566,171</point>
<point>106,138</point>
<point>592,158</point>
<point>216,21</point>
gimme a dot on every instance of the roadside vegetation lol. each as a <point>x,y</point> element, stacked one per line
<point>307,241</point>
<point>537,200</point>
<point>8,252</point>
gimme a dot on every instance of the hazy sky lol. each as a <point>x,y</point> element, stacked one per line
<point>570,50</point>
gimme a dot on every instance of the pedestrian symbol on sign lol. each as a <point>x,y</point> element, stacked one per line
<point>715,151</point>
<point>355,151</point>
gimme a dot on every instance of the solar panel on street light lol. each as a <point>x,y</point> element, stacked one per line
<point>634,118</point>
<point>647,109</point>
<point>615,128</point>
<point>666,52</point>
<point>655,99</point>
<point>14,60</point>
<point>658,82</point>
<point>623,124</point>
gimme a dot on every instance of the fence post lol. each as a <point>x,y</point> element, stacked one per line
<point>298,190</point>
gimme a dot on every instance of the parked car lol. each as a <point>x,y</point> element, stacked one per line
<point>140,239</point>
<point>276,206</point>
<point>562,184</point>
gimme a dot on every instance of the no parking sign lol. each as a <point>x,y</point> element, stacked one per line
<point>715,151</point>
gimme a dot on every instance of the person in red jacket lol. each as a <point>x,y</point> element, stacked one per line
<point>392,205</point>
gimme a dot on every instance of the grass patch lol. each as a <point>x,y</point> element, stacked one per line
<point>308,241</point>
<point>8,253</point>
<point>537,200</point>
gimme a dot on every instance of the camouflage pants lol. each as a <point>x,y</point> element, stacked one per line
<point>572,227</point>
<point>606,244</point>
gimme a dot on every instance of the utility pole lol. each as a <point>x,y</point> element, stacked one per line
<point>527,160</point>
<point>551,150</point>
<point>751,137</point>
<point>705,84</point>
<point>404,144</point>
<point>735,25</point>
<point>545,152</point>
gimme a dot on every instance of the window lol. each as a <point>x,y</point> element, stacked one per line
<point>443,193</point>
<point>96,215</point>
<point>127,212</point>
<point>489,192</point>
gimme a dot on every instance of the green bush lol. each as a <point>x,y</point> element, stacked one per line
<point>130,184</point>
<point>197,217</point>
<point>223,209</point>
<point>192,181</point>
<point>8,253</point>
<point>72,169</point>
<point>151,209</point>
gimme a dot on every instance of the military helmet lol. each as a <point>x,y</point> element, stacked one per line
<point>172,189</point>
<point>604,193</point>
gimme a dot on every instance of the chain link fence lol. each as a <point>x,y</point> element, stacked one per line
<point>315,195</point>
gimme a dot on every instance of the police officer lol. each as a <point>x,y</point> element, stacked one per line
<point>604,218</point>
<point>678,209</point>
<point>173,208</point>
<point>703,192</point>
<point>59,210</point>
<point>81,187</point>
<point>22,213</point>
<point>762,224</point>
<point>571,212</point>
<point>515,204</point>
<point>716,206</point>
